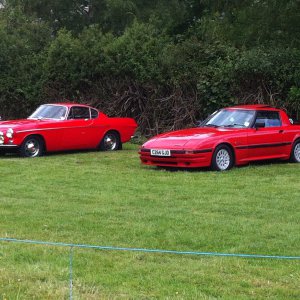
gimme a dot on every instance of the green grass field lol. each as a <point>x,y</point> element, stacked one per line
<point>109,199</point>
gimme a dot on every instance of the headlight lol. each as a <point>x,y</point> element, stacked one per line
<point>10,133</point>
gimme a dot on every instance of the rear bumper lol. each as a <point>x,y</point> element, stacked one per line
<point>178,159</point>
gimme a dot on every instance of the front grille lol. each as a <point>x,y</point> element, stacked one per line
<point>145,150</point>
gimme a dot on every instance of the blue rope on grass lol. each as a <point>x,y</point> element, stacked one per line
<point>72,246</point>
<point>147,250</point>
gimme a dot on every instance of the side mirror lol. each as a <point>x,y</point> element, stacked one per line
<point>260,124</point>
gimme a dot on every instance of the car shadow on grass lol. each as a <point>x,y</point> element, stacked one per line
<point>208,169</point>
<point>52,154</point>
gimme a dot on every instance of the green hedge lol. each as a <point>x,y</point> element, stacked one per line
<point>165,82</point>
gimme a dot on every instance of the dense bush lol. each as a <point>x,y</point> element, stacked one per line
<point>166,68</point>
<point>22,42</point>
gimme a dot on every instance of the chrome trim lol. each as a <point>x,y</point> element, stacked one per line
<point>8,146</point>
<point>110,142</point>
<point>85,106</point>
<point>41,129</point>
<point>32,147</point>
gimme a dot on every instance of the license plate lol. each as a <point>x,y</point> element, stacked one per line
<point>158,152</point>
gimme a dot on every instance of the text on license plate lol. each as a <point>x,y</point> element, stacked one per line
<point>157,152</point>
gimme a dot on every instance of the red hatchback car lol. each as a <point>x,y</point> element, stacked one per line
<point>230,136</point>
<point>64,126</point>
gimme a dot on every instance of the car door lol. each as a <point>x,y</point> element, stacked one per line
<point>265,139</point>
<point>78,126</point>
<point>97,128</point>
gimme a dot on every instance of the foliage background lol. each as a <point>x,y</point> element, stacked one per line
<point>167,63</point>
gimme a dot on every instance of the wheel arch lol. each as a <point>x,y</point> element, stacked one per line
<point>36,135</point>
<point>228,145</point>
<point>112,131</point>
<point>297,139</point>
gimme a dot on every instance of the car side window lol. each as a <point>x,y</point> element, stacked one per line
<point>94,113</point>
<point>270,118</point>
<point>78,112</point>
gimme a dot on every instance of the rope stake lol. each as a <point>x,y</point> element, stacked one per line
<point>71,273</point>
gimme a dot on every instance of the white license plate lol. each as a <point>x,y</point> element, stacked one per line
<point>158,152</point>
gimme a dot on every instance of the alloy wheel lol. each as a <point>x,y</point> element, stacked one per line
<point>223,159</point>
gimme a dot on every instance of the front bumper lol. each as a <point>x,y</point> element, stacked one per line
<point>8,144</point>
<point>8,148</point>
<point>178,158</point>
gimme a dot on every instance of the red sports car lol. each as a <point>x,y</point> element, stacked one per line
<point>231,136</point>
<point>64,126</point>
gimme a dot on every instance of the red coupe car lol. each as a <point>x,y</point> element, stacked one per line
<point>64,126</point>
<point>230,136</point>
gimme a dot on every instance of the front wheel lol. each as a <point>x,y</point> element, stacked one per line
<point>222,158</point>
<point>110,142</point>
<point>32,146</point>
<point>295,155</point>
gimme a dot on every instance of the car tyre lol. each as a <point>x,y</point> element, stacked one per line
<point>110,142</point>
<point>222,159</point>
<point>295,155</point>
<point>33,146</point>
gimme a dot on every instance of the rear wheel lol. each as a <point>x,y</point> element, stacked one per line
<point>223,159</point>
<point>295,155</point>
<point>33,146</point>
<point>110,142</point>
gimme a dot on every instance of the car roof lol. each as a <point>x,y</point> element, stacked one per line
<point>68,104</point>
<point>255,107</point>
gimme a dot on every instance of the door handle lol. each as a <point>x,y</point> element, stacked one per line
<point>281,131</point>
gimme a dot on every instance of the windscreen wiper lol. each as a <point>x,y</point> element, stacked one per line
<point>211,125</point>
<point>233,125</point>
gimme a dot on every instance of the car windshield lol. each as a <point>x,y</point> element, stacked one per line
<point>237,118</point>
<point>56,112</point>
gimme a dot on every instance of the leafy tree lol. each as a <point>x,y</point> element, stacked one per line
<point>256,22</point>
<point>22,43</point>
<point>165,62</point>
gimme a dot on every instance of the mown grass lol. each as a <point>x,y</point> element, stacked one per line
<point>109,199</point>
